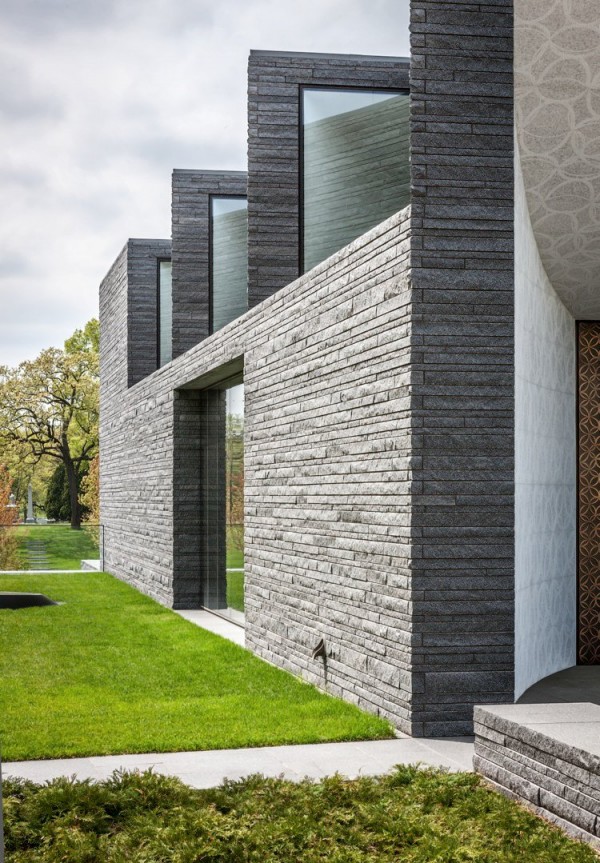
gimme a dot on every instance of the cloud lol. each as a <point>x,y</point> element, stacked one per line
<point>34,18</point>
<point>101,100</point>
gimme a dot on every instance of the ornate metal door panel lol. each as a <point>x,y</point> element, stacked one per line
<point>588,647</point>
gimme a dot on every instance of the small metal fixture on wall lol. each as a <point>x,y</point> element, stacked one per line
<point>319,652</point>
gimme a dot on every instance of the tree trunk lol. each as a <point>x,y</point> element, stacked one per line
<point>73,492</point>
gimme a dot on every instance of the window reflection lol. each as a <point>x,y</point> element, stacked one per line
<point>234,500</point>
<point>165,313</point>
<point>229,260</point>
<point>355,165</point>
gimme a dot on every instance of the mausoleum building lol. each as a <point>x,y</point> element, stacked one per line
<point>355,396</point>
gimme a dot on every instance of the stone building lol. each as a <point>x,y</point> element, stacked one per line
<point>383,340</point>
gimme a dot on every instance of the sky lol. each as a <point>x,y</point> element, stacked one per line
<point>100,100</point>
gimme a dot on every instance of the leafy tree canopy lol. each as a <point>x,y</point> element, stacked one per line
<point>49,408</point>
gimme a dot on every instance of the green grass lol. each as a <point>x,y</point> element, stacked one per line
<point>111,671</point>
<point>235,558</point>
<point>235,590</point>
<point>235,580</point>
<point>65,548</point>
<point>411,816</point>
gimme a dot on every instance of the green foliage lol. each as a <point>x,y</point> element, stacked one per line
<point>90,488</point>
<point>8,514</point>
<point>49,409</point>
<point>113,671</point>
<point>86,340</point>
<point>235,590</point>
<point>58,503</point>
<point>412,815</point>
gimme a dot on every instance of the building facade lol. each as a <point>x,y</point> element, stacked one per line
<point>343,397</point>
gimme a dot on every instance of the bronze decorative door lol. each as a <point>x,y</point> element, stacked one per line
<point>588,552</point>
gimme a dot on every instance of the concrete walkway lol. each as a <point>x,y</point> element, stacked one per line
<point>207,769</point>
<point>214,623</point>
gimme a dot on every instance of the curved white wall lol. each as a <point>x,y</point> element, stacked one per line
<point>545,464</point>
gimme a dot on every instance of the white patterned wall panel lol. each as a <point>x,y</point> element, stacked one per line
<point>545,465</point>
<point>557,88</point>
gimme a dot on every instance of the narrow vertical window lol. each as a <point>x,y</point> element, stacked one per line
<point>229,260</point>
<point>355,165</point>
<point>234,498</point>
<point>222,511</point>
<point>165,313</point>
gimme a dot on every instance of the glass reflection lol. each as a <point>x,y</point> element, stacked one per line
<point>234,500</point>
<point>355,165</point>
<point>165,313</point>
<point>229,260</point>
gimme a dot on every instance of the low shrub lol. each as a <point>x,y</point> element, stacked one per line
<point>413,815</point>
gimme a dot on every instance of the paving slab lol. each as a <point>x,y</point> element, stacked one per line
<point>207,769</point>
<point>214,623</point>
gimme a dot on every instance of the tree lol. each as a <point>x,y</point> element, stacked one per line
<point>25,471</point>
<point>49,409</point>
<point>8,516</point>
<point>90,487</point>
<point>58,500</point>
<point>234,480</point>
<point>86,340</point>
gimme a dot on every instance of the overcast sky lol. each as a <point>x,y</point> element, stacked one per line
<point>100,99</point>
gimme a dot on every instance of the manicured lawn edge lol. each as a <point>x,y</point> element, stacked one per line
<point>110,671</point>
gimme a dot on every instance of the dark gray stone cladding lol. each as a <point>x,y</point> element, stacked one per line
<point>191,191</point>
<point>274,81</point>
<point>132,283</point>
<point>545,765</point>
<point>462,360</point>
<point>326,366</point>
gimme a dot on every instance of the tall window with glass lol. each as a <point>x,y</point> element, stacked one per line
<point>165,313</point>
<point>355,165</point>
<point>228,260</point>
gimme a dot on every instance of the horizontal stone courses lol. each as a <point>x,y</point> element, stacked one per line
<point>575,784</point>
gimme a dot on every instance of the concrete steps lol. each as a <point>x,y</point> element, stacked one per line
<point>548,756</point>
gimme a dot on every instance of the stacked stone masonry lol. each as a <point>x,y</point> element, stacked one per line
<point>548,756</point>
<point>379,396</point>
<point>274,83</point>
<point>191,192</point>
<point>462,359</point>
<point>143,257</point>
<point>326,366</point>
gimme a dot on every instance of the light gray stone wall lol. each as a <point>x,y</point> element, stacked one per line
<point>128,352</point>
<point>328,470</point>
<point>462,409</point>
<point>274,82</point>
<point>190,207</point>
<point>545,466</point>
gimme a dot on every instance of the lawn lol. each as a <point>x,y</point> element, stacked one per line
<point>235,590</point>
<point>413,816</point>
<point>235,580</point>
<point>111,671</point>
<point>64,548</point>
